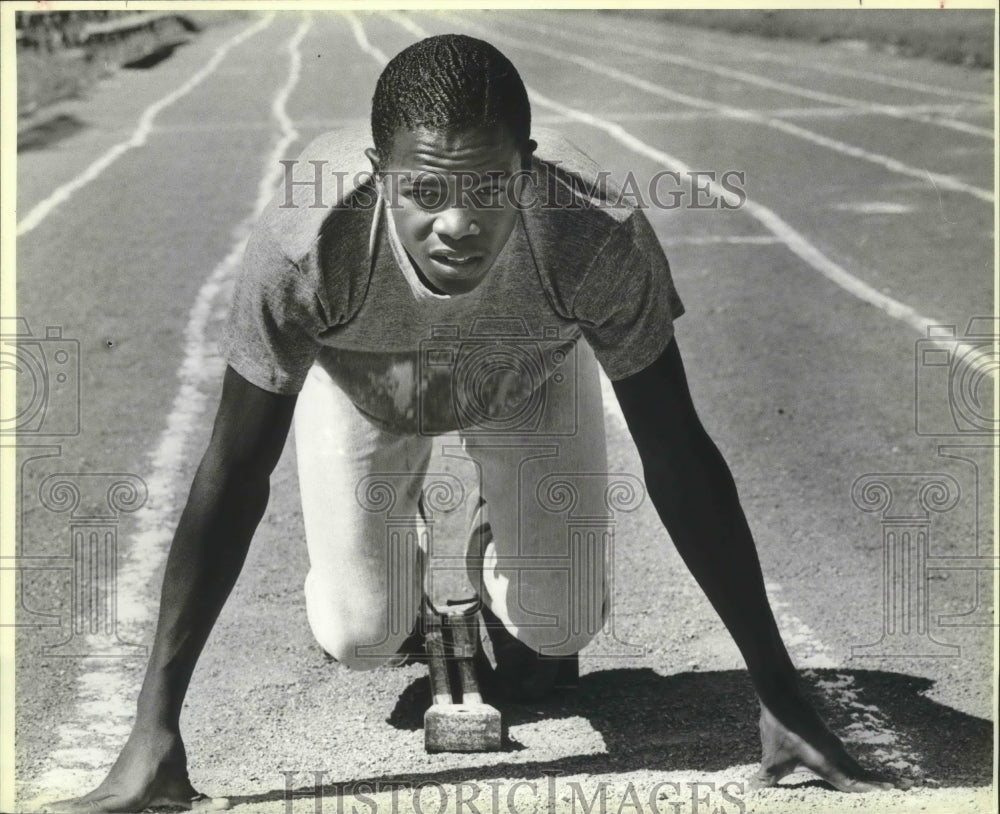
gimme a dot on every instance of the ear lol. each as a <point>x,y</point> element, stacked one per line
<point>374,158</point>
<point>529,150</point>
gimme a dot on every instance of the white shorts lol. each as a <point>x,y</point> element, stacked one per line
<point>545,491</point>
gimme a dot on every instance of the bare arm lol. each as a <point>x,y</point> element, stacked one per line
<point>694,493</point>
<point>225,504</point>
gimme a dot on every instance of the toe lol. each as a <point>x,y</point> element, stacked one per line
<point>770,773</point>
<point>858,781</point>
<point>762,779</point>
<point>858,786</point>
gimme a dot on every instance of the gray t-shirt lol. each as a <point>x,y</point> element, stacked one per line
<point>325,281</point>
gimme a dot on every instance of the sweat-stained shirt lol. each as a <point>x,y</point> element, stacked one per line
<point>325,281</point>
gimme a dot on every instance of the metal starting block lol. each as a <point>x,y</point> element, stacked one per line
<point>458,720</point>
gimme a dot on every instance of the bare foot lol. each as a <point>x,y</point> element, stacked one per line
<point>824,754</point>
<point>151,772</point>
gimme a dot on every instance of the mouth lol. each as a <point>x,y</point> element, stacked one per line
<point>455,260</point>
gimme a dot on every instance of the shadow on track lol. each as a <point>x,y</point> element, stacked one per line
<point>701,722</point>
<point>48,132</point>
<point>153,58</point>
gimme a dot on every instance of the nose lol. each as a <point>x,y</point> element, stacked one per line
<point>455,223</point>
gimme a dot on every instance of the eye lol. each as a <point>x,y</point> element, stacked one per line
<point>428,198</point>
<point>489,196</point>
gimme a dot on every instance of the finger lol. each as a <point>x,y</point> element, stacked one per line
<point>205,803</point>
<point>200,802</point>
<point>863,782</point>
<point>771,772</point>
<point>762,780</point>
<point>76,805</point>
<point>102,805</point>
<point>856,786</point>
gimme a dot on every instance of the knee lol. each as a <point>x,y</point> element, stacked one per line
<point>552,635</point>
<point>549,641</point>
<point>359,647</point>
<point>359,635</point>
<point>553,627</point>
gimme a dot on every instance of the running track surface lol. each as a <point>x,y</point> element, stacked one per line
<point>868,220</point>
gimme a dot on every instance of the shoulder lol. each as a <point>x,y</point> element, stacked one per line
<point>326,192</point>
<point>569,179</point>
<point>577,213</point>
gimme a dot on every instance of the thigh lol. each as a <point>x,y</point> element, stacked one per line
<point>545,492</point>
<point>360,488</point>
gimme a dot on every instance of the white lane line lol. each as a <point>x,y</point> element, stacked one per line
<point>722,240</point>
<point>746,77</point>
<point>875,78</point>
<point>816,654</point>
<point>981,361</point>
<point>138,138</point>
<point>867,721</point>
<point>96,729</point>
<point>726,45</point>
<point>778,113</point>
<point>873,207</point>
<point>409,25</point>
<point>810,652</point>
<point>650,116</point>
<point>362,39</point>
<point>939,180</point>
<point>868,724</point>
<point>208,127</point>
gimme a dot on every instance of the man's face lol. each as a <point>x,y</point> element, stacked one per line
<point>453,201</point>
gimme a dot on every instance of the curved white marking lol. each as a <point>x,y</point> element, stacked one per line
<point>362,39</point>
<point>873,207</point>
<point>725,44</point>
<point>106,692</point>
<point>981,360</point>
<point>893,111</point>
<point>44,208</point>
<point>887,162</point>
<point>778,113</point>
<point>868,722</point>
<point>723,240</point>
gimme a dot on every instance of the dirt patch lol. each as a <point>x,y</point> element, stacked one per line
<point>56,61</point>
<point>48,132</point>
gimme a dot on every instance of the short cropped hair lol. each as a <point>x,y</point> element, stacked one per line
<point>450,83</point>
